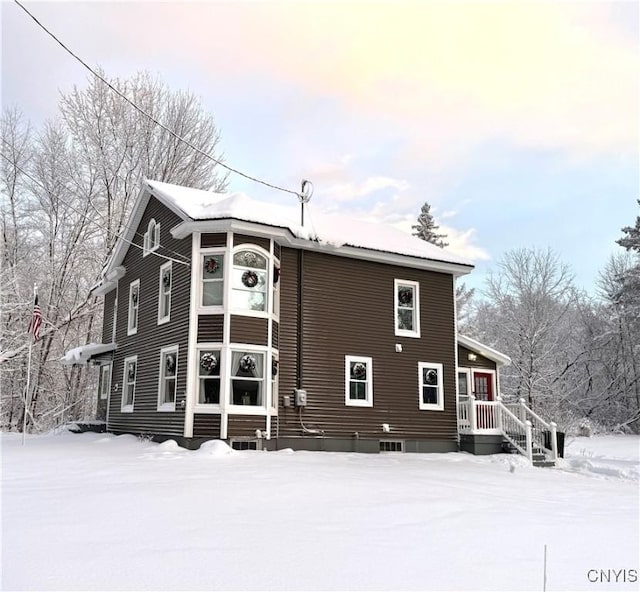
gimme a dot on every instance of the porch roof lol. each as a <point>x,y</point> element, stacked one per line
<point>81,355</point>
<point>484,350</point>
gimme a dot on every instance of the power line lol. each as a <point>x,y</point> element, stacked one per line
<point>115,234</point>
<point>150,117</point>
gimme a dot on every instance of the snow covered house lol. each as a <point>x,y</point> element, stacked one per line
<point>225,317</point>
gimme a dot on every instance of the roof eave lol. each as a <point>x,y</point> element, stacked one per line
<point>484,350</point>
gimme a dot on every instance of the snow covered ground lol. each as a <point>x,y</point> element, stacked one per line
<point>99,512</point>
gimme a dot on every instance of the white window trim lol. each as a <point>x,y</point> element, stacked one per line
<point>226,278</point>
<point>167,317</point>
<point>133,330</point>
<point>269,281</point>
<point>439,406</point>
<point>151,240</point>
<point>104,393</point>
<point>128,408</point>
<point>228,378</point>
<point>210,407</point>
<point>368,402</point>
<point>467,372</point>
<point>171,349</point>
<point>416,302</point>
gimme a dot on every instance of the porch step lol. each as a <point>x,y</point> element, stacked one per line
<point>539,456</point>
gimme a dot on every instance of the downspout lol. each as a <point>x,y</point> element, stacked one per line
<point>299,339</point>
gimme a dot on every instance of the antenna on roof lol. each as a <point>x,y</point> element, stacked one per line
<point>306,191</point>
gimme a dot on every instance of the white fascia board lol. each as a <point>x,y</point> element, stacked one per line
<point>286,238</point>
<point>109,282</point>
<point>484,350</point>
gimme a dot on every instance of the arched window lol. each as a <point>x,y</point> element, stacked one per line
<point>151,237</point>
<point>249,284</point>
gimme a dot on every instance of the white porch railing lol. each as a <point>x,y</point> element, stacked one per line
<point>517,423</point>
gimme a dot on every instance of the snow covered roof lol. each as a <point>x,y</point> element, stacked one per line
<point>324,229</point>
<point>484,350</point>
<point>81,355</point>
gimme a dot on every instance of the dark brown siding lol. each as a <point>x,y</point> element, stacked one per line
<point>245,425</point>
<point>206,425</point>
<point>480,362</point>
<point>107,320</point>
<point>213,240</point>
<point>151,337</point>
<point>248,330</point>
<point>239,239</point>
<point>274,334</point>
<point>210,328</point>
<point>348,310</point>
<point>276,250</point>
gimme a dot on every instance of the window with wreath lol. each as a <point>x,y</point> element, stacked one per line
<point>212,279</point>
<point>247,378</point>
<point>134,305</point>
<point>249,283</point>
<point>164,296</point>
<point>406,302</point>
<point>129,383</point>
<point>151,237</point>
<point>209,377</point>
<point>105,381</point>
<point>275,366</point>
<point>430,386</point>
<point>168,378</point>
<point>358,381</point>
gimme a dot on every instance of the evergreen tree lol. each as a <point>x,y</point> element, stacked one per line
<point>426,228</point>
<point>631,242</point>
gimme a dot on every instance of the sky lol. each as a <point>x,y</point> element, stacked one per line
<point>517,121</point>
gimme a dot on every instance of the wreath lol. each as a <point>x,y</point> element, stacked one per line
<point>431,377</point>
<point>166,279</point>
<point>208,362</point>
<point>211,265</point>
<point>247,363</point>
<point>405,296</point>
<point>171,364</point>
<point>131,375</point>
<point>250,279</point>
<point>276,275</point>
<point>274,368</point>
<point>134,297</point>
<point>359,371</point>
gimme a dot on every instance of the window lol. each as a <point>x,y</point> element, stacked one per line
<point>275,366</point>
<point>209,377</point>
<point>129,384</point>
<point>164,296</point>
<point>249,284</point>
<point>212,279</point>
<point>358,381</point>
<point>463,383</point>
<point>134,303</point>
<point>168,378</point>
<point>247,378</point>
<point>407,308</point>
<point>244,444</point>
<point>391,446</point>
<point>430,386</point>
<point>151,238</point>
<point>105,381</point>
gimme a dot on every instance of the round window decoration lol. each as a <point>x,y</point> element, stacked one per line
<point>171,364</point>
<point>208,362</point>
<point>405,296</point>
<point>211,265</point>
<point>166,279</point>
<point>131,375</point>
<point>359,371</point>
<point>134,297</point>
<point>276,274</point>
<point>274,368</point>
<point>247,363</point>
<point>250,279</point>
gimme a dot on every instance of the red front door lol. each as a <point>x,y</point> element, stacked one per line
<point>483,386</point>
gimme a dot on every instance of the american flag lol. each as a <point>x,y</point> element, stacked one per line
<point>36,321</point>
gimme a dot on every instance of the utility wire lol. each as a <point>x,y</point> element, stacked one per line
<point>115,234</point>
<point>93,207</point>
<point>140,110</point>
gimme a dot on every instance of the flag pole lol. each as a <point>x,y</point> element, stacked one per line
<point>26,395</point>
